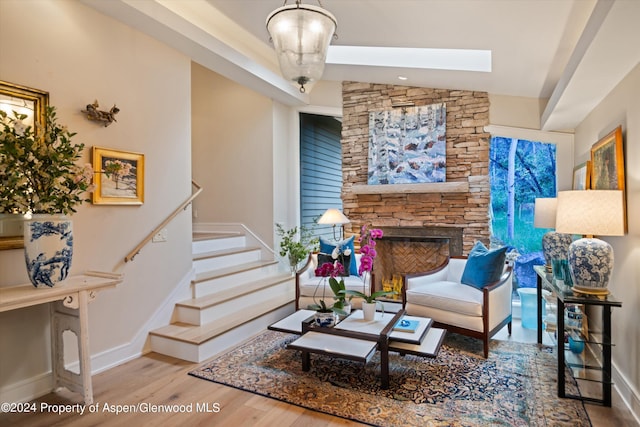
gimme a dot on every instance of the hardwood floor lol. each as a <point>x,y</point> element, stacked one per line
<point>161,380</point>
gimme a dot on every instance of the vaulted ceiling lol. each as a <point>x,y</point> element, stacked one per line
<point>569,52</point>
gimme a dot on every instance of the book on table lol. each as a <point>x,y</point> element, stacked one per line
<point>405,325</point>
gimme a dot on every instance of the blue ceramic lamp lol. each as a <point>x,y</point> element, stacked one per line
<point>589,213</point>
<point>554,245</point>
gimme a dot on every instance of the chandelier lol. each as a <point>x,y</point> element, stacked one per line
<point>301,35</point>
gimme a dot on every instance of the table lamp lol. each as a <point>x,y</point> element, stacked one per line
<point>554,245</point>
<point>334,217</point>
<point>589,213</point>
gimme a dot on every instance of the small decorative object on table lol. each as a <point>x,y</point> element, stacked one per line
<point>42,181</point>
<point>405,325</point>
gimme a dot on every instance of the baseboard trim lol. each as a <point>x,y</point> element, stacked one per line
<point>28,388</point>
<point>141,343</point>
<point>628,394</point>
<point>39,385</point>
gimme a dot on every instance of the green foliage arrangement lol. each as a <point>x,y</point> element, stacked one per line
<point>38,169</point>
<point>338,288</point>
<point>295,244</point>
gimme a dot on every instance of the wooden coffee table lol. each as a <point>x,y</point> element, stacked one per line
<point>354,338</point>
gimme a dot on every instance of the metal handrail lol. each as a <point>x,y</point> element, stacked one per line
<point>164,223</point>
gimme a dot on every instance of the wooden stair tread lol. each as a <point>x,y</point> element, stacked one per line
<point>221,272</point>
<point>229,294</point>
<point>197,335</point>
<point>223,252</point>
<point>201,235</point>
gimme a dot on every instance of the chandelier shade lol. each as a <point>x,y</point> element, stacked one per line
<point>301,35</point>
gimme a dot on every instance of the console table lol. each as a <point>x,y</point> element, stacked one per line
<point>594,342</point>
<point>69,312</point>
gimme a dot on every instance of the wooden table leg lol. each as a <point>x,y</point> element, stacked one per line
<point>306,361</point>
<point>72,315</point>
<point>384,365</point>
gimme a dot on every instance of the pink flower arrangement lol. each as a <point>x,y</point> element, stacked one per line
<point>330,270</point>
<point>368,247</point>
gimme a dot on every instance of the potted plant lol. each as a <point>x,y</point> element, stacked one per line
<point>367,250</point>
<point>41,180</point>
<point>369,301</point>
<point>343,301</point>
<point>328,315</point>
<point>295,244</point>
<point>324,316</point>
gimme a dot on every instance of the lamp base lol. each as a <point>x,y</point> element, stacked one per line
<point>555,246</point>
<point>591,265</point>
<point>590,291</point>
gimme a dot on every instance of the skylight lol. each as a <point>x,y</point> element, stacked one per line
<point>400,57</point>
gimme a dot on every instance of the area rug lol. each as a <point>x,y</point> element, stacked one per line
<point>515,386</point>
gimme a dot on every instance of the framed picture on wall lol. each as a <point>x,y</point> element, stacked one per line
<point>607,162</point>
<point>582,176</point>
<point>31,104</point>
<point>119,177</point>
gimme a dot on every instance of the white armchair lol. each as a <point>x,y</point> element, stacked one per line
<point>457,307</point>
<point>308,284</point>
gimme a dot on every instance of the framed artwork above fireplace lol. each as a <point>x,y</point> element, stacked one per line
<point>407,145</point>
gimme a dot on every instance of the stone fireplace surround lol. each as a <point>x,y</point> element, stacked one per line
<point>460,207</point>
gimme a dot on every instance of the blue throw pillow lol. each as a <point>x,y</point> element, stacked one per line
<point>327,246</point>
<point>483,266</point>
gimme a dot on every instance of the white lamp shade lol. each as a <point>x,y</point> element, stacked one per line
<point>545,213</point>
<point>590,212</point>
<point>333,216</point>
<point>301,35</point>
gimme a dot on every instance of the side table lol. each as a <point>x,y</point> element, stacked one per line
<point>69,311</point>
<point>594,342</point>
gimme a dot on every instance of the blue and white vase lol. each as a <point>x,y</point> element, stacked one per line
<point>591,264</point>
<point>555,246</point>
<point>48,248</point>
<point>325,320</point>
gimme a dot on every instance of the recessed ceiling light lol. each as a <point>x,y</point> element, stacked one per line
<point>400,57</point>
<point>402,78</point>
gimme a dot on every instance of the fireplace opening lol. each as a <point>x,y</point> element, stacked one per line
<point>408,250</point>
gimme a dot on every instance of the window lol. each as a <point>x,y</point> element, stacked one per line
<point>320,169</point>
<point>520,171</point>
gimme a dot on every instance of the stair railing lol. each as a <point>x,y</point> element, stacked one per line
<point>164,223</point>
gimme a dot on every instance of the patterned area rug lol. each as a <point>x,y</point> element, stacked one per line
<point>515,386</point>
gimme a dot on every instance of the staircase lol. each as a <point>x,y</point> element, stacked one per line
<point>235,294</point>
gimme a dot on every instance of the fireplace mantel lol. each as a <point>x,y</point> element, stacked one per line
<point>432,187</point>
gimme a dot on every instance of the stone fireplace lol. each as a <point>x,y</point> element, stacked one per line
<point>433,221</point>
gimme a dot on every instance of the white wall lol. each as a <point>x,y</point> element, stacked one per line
<point>515,111</point>
<point>79,55</point>
<point>622,107</point>
<point>233,148</point>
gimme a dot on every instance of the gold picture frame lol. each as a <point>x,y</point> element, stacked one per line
<point>119,177</point>
<point>33,103</point>
<point>582,176</point>
<point>607,166</point>
<point>607,162</point>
